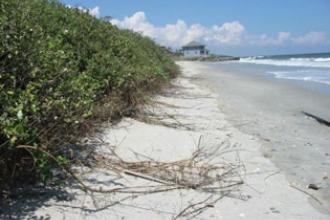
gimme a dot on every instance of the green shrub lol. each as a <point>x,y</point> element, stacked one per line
<point>56,63</point>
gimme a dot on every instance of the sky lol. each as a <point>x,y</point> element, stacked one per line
<point>232,27</point>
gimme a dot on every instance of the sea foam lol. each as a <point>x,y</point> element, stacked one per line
<point>305,75</point>
<point>295,62</point>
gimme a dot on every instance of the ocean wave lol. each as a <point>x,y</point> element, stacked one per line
<point>322,59</point>
<point>305,75</point>
<point>296,62</point>
<point>326,59</point>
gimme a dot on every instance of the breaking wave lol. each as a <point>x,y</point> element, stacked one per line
<point>323,62</point>
<point>305,75</point>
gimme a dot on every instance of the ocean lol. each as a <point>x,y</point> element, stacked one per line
<point>306,67</point>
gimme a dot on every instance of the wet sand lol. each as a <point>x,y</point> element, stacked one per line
<point>271,110</point>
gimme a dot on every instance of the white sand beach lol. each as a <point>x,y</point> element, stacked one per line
<point>198,115</point>
<point>272,110</point>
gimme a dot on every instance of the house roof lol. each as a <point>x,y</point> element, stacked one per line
<point>193,44</point>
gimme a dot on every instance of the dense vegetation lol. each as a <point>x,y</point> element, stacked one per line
<point>58,67</point>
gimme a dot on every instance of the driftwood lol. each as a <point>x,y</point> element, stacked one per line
<point>318,119</point>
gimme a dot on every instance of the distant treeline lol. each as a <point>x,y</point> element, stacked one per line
<point>60,69</point>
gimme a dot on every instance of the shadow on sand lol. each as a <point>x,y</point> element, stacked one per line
<point>23,202</point>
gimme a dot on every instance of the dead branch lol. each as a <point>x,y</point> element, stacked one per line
<point>158,119</point>
<point>197,172</point>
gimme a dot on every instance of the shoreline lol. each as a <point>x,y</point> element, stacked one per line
<point>197,123</point>
<point>272,109</point>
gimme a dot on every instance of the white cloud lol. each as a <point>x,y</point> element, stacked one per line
<point>284,38</point>
<point>265,40</point>
<point>92,11</point>
<point>311,38</point>
<point>180,33</point>
<point>227,34</point>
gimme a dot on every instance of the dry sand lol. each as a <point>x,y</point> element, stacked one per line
<point>266,194</point>
<point>271,109</point>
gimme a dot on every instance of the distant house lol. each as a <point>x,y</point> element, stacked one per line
<point>194,49</point>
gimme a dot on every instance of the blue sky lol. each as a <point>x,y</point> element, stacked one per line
<point>235,27</point>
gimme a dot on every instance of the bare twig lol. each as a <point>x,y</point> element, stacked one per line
<point>307,193</point>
